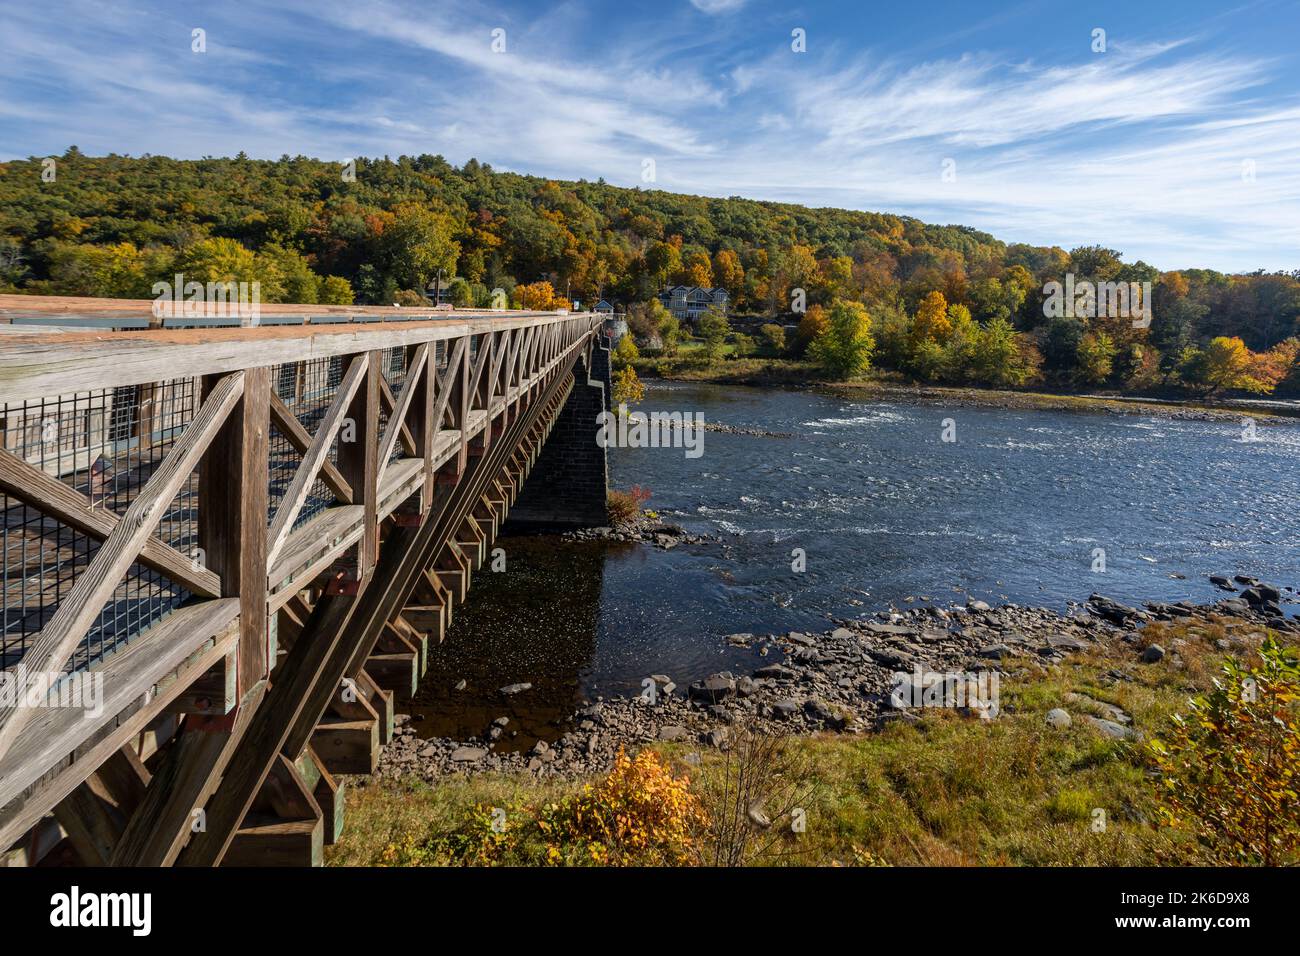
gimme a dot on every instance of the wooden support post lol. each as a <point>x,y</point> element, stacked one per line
<point>232,518</point>
<point>359,461</point>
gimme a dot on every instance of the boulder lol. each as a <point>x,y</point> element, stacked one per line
<point>1113,730</point>
<point>713,689</point>
<point>1058,717</point>
<point>1153,654</point>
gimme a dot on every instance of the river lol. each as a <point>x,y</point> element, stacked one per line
<point>883,510</point>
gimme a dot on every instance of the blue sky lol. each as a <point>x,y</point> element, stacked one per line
<point>1145,147</point>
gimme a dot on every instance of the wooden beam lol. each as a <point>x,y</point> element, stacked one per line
<point>289,426</point>
<point>315,456</point>
<point>55,499</point>
<point>189,772</point>
<point>397,413</point>
<point>389,404</point>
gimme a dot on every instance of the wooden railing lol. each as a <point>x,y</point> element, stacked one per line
<point>166,492</point>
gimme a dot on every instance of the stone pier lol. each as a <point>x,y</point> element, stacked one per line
<point>568,485</point>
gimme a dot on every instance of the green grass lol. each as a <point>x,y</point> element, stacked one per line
<point>949,790</point>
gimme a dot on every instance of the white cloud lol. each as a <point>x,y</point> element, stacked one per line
<point>714,7</point>
<point>1140,148</point>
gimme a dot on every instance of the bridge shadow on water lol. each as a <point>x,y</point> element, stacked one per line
<point>535,623</point>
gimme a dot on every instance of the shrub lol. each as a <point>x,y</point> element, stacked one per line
<point>639,814</point>
<point>624,506</point>
<point>1231,768</point>
<point>774,337</point>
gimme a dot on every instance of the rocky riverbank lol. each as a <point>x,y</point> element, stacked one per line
<point>858,676</point>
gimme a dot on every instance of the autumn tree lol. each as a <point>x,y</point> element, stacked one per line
<point>845,348</point>
<point>727,271</point>
<point>931,324</point>
<point>813,323</point>
<point>1096,356</point>
<point>1226,363</point>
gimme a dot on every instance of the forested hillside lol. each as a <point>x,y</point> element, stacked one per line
<point>312,231</point>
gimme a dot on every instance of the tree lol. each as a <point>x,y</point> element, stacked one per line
<point>625,352</point>
<point>845,348</point>
<point>727,271</point>
<point>931,322</point>
<point>415,243</point>
<point>714,329</point>
<point>628,389</point>
<point>999,357</point>
<point>810,328</point>
<point>537,297</point>
<point>1060,339</point>
<point>336,290</point>
<point>1230,769</point>
<point>670,332</point>
<point>290,272</point>
<point>1096,355</point>
<point>1226,363</point>
<point>774,337</point>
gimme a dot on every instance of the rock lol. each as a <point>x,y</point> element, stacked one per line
<point>673,732</point>
<point>803,640</point>
<point>1222,583</point>
<point>892,630</point>
<point>740,640</point>
<point>977,606</point>
<point>1058,717</point>
<point>501,721</point>
<point>894,660</point>
<point>1153,654</point>
<point>511,689</point>
<point>468,754</point>
<point>1063,642</point>
<point>995,652</point>
<point>1268,592</point>
<point>461,684</point>
<point>842,634</point>
<point>1113,730</point>
<point>746,687</point>
<point>717,737</point>
<point>1113,611</point>
<point>713,689</point>
<point>775,672</point>
<point>784,709</point>
<point>823,713</point>
<point>540,748</point>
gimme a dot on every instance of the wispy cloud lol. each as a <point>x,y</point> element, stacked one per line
<point>1142,148</point>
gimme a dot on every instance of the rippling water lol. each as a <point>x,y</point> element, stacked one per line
<point>884,510</point>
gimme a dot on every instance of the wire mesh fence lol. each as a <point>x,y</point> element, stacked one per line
<point>104,444</point>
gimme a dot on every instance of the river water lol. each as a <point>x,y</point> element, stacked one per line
<point>882,510</point>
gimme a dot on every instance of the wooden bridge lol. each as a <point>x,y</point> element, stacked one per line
<point>226,549</point>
